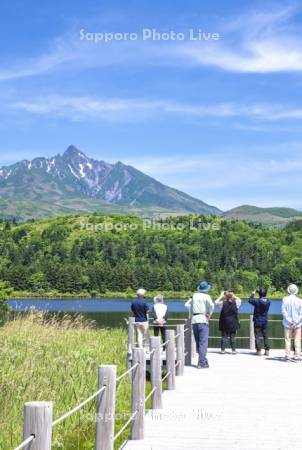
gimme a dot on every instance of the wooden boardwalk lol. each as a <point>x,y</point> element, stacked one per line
<point>242,402</point>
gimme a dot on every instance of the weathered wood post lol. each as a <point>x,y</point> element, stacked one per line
<point>180,349</point>
<point>131,336</point>
<point>138,393</point>
<point>156,371</point>
<point>188,342</point>
<point>38,422</point>
<point>252,335</point>
<point>170,359</point>
<point>105,412</point>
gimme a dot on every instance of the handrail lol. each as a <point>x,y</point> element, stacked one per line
<point>166,376</point>
<point>150,394</point>
<point>165,343</point>
<point>77,408</point>
<point>127,372</point>
<point>125,426</point>
<point>25,443</point>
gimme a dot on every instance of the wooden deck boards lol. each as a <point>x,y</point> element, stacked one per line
<point>242,402</point>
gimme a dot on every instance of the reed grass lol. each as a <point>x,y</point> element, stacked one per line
<point>56,359</point>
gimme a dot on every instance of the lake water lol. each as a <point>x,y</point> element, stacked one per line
<point>112,312</point>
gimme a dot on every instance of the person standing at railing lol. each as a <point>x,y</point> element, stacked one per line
<point>260,318</point>
<point>140,309</point>
<point>159,312</point>
<point>201,310</point>
<point>292,321</point>
<point>228,320</point>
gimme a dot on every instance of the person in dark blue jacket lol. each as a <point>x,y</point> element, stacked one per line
<point>260,318</point>
<point>140,310</point>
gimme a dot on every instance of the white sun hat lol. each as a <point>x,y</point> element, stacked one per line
<point>141,292</point>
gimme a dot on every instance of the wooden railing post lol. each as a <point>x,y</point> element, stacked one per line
<point>156,372</point>
<point>105,413</point>
<point>131,336</point>
<point>170,359</point>
<point>188,342</point>
<point>252,335</point>
<point>180,350</point>
<point>138,393</point>
<point>38,422</point>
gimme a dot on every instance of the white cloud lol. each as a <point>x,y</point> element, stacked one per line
<point>125,109</point>
<point>256,42</point>
<point>61,52</point>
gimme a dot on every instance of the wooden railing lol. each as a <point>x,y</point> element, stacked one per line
<point>38,416</point>
<point>179,351</point>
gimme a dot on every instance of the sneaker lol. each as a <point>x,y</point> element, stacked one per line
<point>222,352</point>
<point>266,353</point>
<point>287,359</point>
<point>297,358</point>
<point>258,352</point>
<point>205,366</point>
<point>234,352</point>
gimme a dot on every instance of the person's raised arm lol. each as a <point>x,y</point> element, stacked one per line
<point>219,300</point>
<point>238,301</point>
<point>252,299</point>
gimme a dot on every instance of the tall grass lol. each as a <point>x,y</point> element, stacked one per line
<point>57,359</point>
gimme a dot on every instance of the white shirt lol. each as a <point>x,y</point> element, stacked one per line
<point>200,306</point>
<point>292,311</point>
<point>160,310</point>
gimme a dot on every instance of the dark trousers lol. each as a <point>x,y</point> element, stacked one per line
<point>201,335</point>
<point>224,338</point>
<point>162,331</point>
<point>261,331</point>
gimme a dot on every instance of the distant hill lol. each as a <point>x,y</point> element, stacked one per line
<point>73,183</point>
<point>266,216</point>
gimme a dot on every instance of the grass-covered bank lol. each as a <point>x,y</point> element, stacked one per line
<point>57,360</point>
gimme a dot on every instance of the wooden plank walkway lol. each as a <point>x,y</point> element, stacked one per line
<point>242,402</point>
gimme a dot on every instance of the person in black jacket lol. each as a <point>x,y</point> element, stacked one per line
<point>228,320</point>
<point>260,318</point>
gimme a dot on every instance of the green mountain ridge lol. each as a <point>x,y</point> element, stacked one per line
<point>274,216</point>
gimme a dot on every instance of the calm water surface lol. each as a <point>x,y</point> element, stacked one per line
<point>112,312</point>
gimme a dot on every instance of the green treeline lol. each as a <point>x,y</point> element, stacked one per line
<point>96,254</point>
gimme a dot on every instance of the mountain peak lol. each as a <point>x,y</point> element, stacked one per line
<point>74,175</point>
<point>72,152</point>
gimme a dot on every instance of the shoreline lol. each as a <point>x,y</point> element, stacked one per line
<point>168,295</point>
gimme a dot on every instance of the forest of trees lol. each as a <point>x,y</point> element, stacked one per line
<point>75,254</point>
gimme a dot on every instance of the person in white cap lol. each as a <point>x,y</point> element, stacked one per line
<point>292,321</point>
<point>140,309</point>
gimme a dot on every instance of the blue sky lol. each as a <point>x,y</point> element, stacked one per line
<point>219,117</point>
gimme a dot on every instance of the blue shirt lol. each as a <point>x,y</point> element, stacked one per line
<point>140,310</point>
<point>261,307</point>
